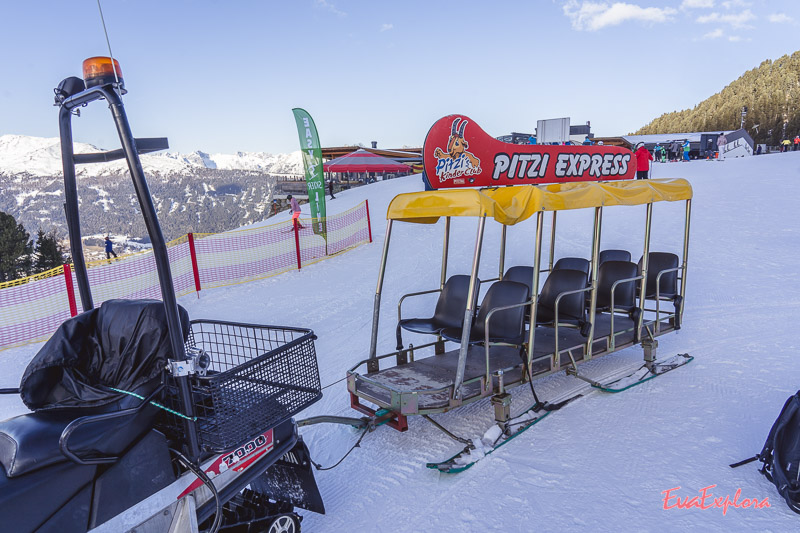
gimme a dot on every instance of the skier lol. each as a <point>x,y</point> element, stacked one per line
<point>721,142</point>
<point>643,158</point>
<point>110,249</point>
<point>330,189</point>
<point>796,141</point>
<point>686,148</point>
<point>295,211</point>
<point>673,151</point>
<point>657,151</point>
<point>786,145</point>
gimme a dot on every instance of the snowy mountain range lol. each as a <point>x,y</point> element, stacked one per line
<point>41,157</point>
<point>193,192</point>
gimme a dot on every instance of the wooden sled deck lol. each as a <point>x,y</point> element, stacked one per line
<point>425,386</point>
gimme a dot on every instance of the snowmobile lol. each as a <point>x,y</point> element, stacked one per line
<point>143,420</point>
<point>522,329</point>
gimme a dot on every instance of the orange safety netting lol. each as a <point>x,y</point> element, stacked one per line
<point>32,308</point>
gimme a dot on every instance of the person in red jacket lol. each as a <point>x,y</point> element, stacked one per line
<point>643,158</point>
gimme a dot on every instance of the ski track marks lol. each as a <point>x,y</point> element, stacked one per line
<point>602,462</point>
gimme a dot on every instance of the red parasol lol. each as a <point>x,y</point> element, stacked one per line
<point>364,161</point>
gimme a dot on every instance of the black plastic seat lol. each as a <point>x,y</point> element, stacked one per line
<point>506,326</point>
<point>668,286</point>
<point>614,255</point>
<point>30,442</point>
<point>573,263</point>
<point>571,308</point>
<point>520,274</point>
<point>609,273</point>
<point>524,275</point>
<point>449,312</point>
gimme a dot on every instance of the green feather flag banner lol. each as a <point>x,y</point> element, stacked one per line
<point>312,162</point>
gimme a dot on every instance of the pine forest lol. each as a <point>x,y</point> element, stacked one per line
<point>771,93</point>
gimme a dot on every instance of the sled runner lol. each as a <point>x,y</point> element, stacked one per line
<point>490,335</point>
<point>500,433</point>
<point>142,419</point>
<point>493,439</point>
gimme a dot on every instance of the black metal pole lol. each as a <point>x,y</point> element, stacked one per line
<point>71,207</point>
<point>161,257</point>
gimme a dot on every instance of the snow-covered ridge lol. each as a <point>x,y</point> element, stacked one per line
<point>37,156</point>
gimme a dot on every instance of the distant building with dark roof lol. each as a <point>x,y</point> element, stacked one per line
<point>577,134</point>
<point>701,143</point>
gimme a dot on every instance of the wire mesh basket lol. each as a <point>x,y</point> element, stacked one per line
<point>259,376</point>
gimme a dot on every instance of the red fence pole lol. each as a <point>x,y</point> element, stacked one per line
<point>297,243</point>
<point>196,270</point>
<point>73,305</point>
<point>369,224</point>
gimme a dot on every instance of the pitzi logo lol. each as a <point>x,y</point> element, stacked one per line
<point>456,161</point>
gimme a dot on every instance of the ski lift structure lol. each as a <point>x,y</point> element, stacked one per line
<point>523,329</point>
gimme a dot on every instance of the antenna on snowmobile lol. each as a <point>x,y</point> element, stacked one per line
<point>108,42</point>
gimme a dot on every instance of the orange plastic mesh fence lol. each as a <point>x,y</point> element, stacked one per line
<point>255,253</point>
<point>32,308</point>
<point>134,276</point>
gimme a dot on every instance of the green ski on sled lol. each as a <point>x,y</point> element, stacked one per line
<point>479,449</point>
<point>461,461</point>
<point>642,374</point>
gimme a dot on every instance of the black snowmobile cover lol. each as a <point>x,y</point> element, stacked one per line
<point>122,344</point>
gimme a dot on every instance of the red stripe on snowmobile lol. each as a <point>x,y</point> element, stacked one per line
<point>458,153</point>
<point>239,459</point>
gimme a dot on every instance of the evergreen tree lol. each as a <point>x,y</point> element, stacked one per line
<point>15,249</point>
<point>49,252</point>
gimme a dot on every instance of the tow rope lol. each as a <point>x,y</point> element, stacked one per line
<point>156,404</point>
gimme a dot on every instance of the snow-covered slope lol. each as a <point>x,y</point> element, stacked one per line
<point>36,156</point>
<point>603,462</point>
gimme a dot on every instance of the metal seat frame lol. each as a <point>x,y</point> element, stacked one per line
<point>387,386</point>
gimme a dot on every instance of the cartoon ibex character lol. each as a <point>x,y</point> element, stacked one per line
<point>457,145</point>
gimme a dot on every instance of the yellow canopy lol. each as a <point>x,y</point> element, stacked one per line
<point>509,205</point>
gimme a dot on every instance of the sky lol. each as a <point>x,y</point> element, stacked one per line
<point>223,77</point>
